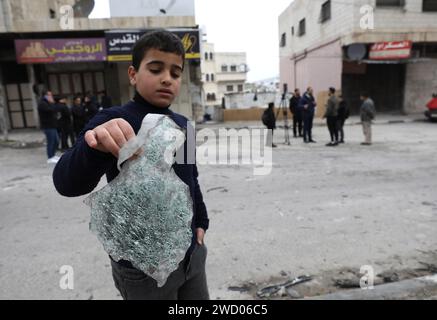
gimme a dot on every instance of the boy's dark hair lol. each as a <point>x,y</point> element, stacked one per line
<point>161,40</point>
<point>44,92</point>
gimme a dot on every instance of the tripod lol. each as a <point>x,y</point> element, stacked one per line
<point>284,109</point>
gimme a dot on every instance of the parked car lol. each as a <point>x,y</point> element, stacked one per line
<point>431,113</point>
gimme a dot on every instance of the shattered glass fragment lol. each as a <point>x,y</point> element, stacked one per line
<point>144,214</point>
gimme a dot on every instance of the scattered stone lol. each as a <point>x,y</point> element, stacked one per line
<point>293,293</point>
<point>243,288</point>
<point>214,189</point>
<point>347,279</point>
<point>238,289</point>
<point>347,283</point>
<point>283,273</point>
<point>426,203</point>
<point>432,268</point>
<point>280,289</point>
<point>282,292</point>
<point>389,276</point>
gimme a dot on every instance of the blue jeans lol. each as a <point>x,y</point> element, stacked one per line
<point>52,141</point>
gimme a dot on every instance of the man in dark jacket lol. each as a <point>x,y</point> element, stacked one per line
<point>91,108</point>
<point>269,121</point>
<point>65,123</point>
<point>308,106</point>
<point>48,112</point>
<point>79,118</point>
<point>297,113</point>
<point>343,115</point>
<point>105,100</point>
<point>331,115</point>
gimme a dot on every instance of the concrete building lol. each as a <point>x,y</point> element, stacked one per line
<point>386,47</point>
<point>223,74</point>
<point>41,40</point>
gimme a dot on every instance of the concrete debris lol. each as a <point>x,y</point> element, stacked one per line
<point>279,288</point>
<point>389,276</point>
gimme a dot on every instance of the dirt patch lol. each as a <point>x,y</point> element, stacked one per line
<point>330,281</point>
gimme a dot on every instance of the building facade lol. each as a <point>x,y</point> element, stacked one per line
<point>385,47</point>
<point>223,74</point>
<point>45,45</point>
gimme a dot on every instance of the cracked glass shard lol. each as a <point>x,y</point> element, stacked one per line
<point>144,214</point>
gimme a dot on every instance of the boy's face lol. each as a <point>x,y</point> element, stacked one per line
<point>158,79</point>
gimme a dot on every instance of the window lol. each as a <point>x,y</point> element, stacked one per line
<point>213,97</point>
<point>206,55</point>
<point>302,27</point>
<point>224,68</point>
<point>233,68</point>
<point>211,56</point>
<point>240,88</point>
<point>229,88</point>
<point>212,77</point>
<point>326,12</point>
<point>429,5</point>
<point>292,31</point>
<point>283,42</point>
<point>390,3</point>
<point>52,14</point>
<point>207,77</point>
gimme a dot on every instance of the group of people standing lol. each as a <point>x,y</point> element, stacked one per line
<point>63,123</point>
<point>303,108</point>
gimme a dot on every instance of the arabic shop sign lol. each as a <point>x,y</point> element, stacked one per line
<point>60,50</point>
<point>391,50</point>
<point>120,44</point>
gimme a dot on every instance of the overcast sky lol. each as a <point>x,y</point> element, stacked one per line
<point>249,26</point>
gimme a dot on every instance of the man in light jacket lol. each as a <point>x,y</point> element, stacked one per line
<point>367,112</point>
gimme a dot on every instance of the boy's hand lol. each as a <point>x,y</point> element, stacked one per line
<point>110,137</point>
<point>200,235</point>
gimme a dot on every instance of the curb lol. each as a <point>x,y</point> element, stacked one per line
<point>252,125</point>
<point>417,289</point>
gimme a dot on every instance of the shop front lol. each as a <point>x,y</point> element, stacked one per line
<point>77,66</point>
<point>400,76</point>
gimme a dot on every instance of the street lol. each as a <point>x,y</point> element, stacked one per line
<point>320,212</point>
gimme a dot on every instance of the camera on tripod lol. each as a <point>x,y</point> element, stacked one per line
<point>284,107</point>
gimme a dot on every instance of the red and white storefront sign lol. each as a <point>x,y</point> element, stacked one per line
<point>391,50</point>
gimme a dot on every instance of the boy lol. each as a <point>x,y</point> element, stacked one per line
<point>157,66</point>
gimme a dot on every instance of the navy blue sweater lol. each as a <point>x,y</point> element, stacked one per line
<point>80,169</point>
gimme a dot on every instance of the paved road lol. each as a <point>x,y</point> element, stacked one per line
<point>320,209</point>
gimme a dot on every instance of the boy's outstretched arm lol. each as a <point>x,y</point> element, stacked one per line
<point>80,169</point>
